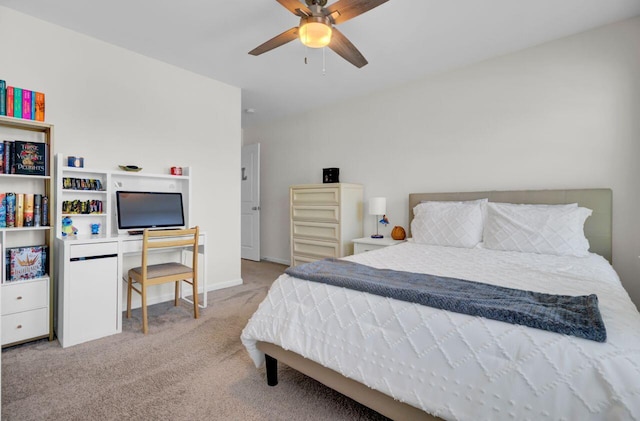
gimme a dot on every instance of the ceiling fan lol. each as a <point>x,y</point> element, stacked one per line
<point>316,28</point>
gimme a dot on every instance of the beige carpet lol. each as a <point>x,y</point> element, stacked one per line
<point>184,369</point>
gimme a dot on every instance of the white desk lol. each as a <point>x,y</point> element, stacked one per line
<point>89,287</point>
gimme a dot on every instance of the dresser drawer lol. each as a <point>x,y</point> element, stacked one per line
<point>299,260</point>
<point>320,196</point>
<point>316,213</point>
<point>25,325</point>
<point>362,248</point>
<point>23,296</point>
<point>319,249</point>
<point>317,230</point>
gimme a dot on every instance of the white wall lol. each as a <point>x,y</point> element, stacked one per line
<point>561,115</point>
<point>112,106</point>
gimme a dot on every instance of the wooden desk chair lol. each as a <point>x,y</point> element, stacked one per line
<point>146,275</point>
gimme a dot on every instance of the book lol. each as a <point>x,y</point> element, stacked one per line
<point>3,97</point>
<point>17,102</point>
<point>1,157</point>
<point>26,104</point>
<point>9,101</point>
<point>10,200</point>
<point>7,156</point>
<point>3,210</point>
<point>37,210</point>
<point>30,158</point>
<point>19,218</point>
<point>39,106</point>
<point>45,211</point>
<point>26,263</point>
<point>33,105</point>
<point>28,209</point>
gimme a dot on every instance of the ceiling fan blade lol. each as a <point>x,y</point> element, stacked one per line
<point>277,41</point>
<point>343,10</point>
<point>295,7</point>
<point>345,49</point>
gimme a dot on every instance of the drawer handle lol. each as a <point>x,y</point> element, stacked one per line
<point>19,326</point>
<point>19,297</point>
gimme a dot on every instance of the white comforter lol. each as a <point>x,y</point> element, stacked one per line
<point>464,367</point>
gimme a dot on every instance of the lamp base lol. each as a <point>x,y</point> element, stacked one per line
<point>377,236</point>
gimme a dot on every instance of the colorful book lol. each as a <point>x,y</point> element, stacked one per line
<point>7,156</point>
<point>26,104</point>
<point>9,101</point>
<point>19,218</point>
<point>3,97</point>
<point>37,210</point>
<point>17,102</point>
<point>10,201</point>
<point>33,105</point>
<point>3,210</point>
<point>26,262</point>
<point>30,158</point>
<point>28,209</point>
<point>1,157</point>
<point>39,106</point>
<point>45,211</point>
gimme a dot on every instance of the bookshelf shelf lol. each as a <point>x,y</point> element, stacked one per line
<point>18,229</point>
<point>27,311</point>
<point>78,191</point>
<point>87,215</point>
<point>26,177</point>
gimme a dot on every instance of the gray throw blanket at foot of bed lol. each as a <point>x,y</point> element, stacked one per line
<point>572,315</point>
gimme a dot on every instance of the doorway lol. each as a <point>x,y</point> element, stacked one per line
<point>250,202</point>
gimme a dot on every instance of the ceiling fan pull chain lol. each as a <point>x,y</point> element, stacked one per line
<point>306,53</point>
<point>324,63</point>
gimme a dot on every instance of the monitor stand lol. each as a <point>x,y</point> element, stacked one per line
<point>135,232</point>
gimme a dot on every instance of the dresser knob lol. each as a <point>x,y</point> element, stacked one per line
<point>19,327</point>
<point>19,298</point>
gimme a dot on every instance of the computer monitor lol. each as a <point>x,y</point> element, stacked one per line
<point>138,210</point>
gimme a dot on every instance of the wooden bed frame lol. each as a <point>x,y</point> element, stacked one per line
<point>598,231</point>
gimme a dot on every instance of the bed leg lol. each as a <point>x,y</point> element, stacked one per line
<point>272,370</point>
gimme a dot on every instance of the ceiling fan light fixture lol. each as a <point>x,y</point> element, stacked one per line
<point>315,34</point>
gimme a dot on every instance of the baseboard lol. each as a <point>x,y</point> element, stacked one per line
<point>276,260</point>
<point>225,284</point>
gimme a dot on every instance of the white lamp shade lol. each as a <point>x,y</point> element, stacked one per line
<point>377,206</point>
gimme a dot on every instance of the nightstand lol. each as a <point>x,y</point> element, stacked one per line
<point>360,245</point>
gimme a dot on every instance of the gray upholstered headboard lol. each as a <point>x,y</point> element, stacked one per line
<point>597,228</point>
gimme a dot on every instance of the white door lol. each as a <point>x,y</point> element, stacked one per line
<point>250,198</point>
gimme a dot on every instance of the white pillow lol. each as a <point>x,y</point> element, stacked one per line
<point>543,229</point>
<point>454,224</point>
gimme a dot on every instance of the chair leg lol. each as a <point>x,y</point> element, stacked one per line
<point>129,298</point>
<point>143,288</point>
<point>194,283</point>
<point>175,300</point>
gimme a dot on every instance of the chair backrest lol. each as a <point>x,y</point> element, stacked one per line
<point>170,238</point>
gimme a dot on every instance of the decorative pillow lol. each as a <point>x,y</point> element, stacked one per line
<point>454,224</point>
<point>543,229</point>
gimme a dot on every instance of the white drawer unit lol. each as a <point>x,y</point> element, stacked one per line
<point>324,219</point>
<point>361,245</point>
<point>25,311</point>
<point>89,292</point>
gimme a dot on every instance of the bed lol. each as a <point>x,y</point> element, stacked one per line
<point>409,361</point>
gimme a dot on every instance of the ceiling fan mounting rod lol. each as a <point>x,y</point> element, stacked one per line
<point>320,3</point>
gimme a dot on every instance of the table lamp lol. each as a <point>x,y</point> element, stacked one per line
<point>378,207</point>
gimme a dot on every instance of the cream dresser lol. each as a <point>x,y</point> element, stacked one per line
<point>325,218</point>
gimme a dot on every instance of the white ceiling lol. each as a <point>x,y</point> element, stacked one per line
<point>403,40</point>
